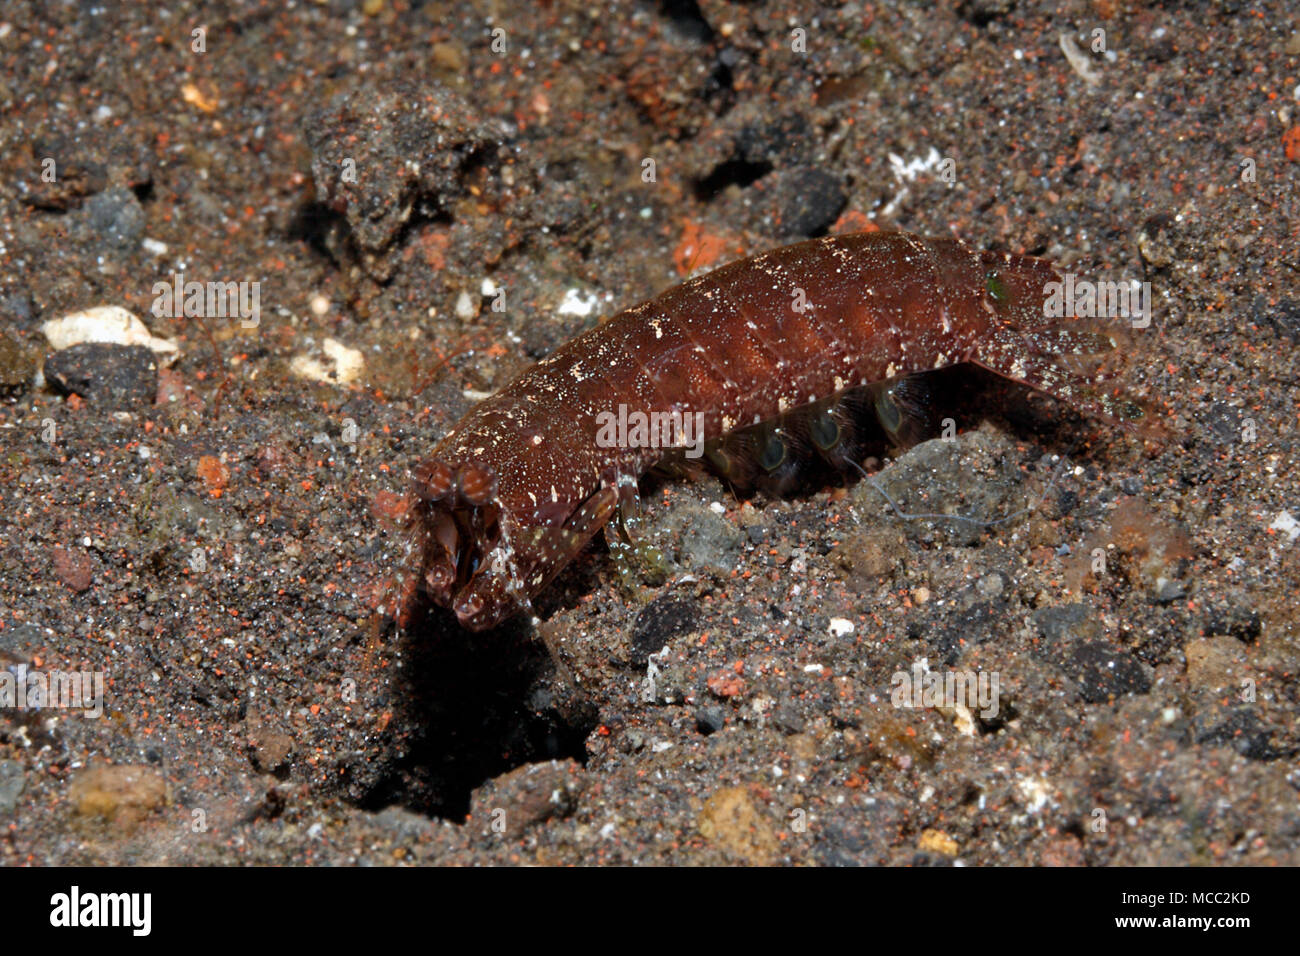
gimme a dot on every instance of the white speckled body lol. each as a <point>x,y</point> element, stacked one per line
<point>743,344</point>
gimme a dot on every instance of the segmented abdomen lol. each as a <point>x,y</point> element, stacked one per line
<point>735,346</point>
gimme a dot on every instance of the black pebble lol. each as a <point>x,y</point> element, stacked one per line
<point>1245,733</point>
<point>112,376</point>
<point>1104,672</point>
<point>709,720</point>
<point>659,621</point>
<point>812,201</point>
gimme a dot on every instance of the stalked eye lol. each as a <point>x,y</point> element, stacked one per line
<point>773,452</point>
<point>477,486</point>
<point>432,480</point>
<point>824,430</point>
<point>887,410</point>
<point>993,283</point>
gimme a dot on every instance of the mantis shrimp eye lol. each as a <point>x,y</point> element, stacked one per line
<point>477,485</point>
<point>432,479</point>
<point>887,410</point>
<point>824,431</point>
<point>773,452</point>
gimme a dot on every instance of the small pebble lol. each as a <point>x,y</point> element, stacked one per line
<point>114,376</point>
<point>12,781</point>
<point>465,306</point>
<point>340,366</point>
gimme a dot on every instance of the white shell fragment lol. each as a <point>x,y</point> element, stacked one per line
<point>576,303</point>
<point>340,366</point>
<point>1287,524</point>
<point>1079,61</point>
<point>110,324</point>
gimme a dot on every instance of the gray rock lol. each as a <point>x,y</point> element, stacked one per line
<point>12,781</point>
<point>947,490</point>
<point>1068,624</point>
<point>703,538</point>
<point>111,376</point>
<point>111,220</point>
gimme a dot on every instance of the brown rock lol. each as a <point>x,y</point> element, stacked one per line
<point>271,751</point>
<point>527,795</point>
<point>269,748</point>
<point>118,795</point>
<point>73,568</point>
<point>731,820</point>
<point>870,555</point>
<point>1215,662</point>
